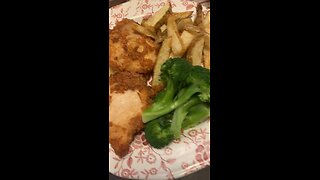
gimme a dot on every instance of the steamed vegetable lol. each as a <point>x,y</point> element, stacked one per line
<point>180,114</point>
<point>158,132</point>
<point>182,81</point>
<point>184,103</point>
<point>196,115</point>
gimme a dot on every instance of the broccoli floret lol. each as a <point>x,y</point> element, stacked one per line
<point>196,115</point>
<point>177,70</point>
<point>174,73</point>
<point>199,81</point>
<point>184,103</point>
<point>158,132</point>
<point>180,114</point>
<point>182,82</point>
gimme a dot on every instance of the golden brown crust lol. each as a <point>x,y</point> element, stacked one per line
<point>121,137</point>
<point>131,95</point>
<point>130,51</point>
<point>132,58</point>
<point>122,81</point>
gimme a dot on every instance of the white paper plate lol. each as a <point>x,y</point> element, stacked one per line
<point>192,152</point>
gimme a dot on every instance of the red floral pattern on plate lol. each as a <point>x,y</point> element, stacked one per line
<point>138,9</point>
<point>182,157</point>
<point>190,154</point>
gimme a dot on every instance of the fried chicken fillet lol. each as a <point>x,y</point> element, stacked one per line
<point>129,50</point>
<point>128,96</point>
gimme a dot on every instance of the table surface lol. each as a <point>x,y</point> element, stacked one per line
<point>203,174</point>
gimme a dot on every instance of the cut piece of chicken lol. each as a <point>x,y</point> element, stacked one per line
<point>129,50</point>
<point>124,120</point>
<point>129,95</point>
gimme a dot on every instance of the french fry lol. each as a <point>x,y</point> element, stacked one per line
<point>186,39</point>
<point>161,36</point>
<point>183,22</point>
<point>176,44</point>
<point>143,22</point>
<point>172,55</point>
<point>206,23</point>
<point>171,26</point>
<point>199,17</point>
<point>172,29</point>
<point>206,52</point>
<point>163,55</point>
<point>153,20</point>
<point>163,21</point>
<point>194,54</point>
<point>179,36</point>
<point>195,30</point>
<point>163,28</point>
<point>181,15</point>
<point>159,40</point>
<point>145,31</point>
<point>206,49</point>
<point>192,28</point>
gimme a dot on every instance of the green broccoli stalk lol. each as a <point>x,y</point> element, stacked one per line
<point>196,115</point>
<point>173,74</point>
<point>187,81</point>
<point>180,114</point>
<point>158,132</point>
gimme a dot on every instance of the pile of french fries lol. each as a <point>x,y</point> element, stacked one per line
<point>179,36</point>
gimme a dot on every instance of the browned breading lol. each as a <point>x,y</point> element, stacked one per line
<point>132,58</point>
<point>120,82</point>
<point>130,51</point>
<point>129,95</point>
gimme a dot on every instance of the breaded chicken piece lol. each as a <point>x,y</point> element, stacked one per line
<point>129,50</point>
<point>129,95</point>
